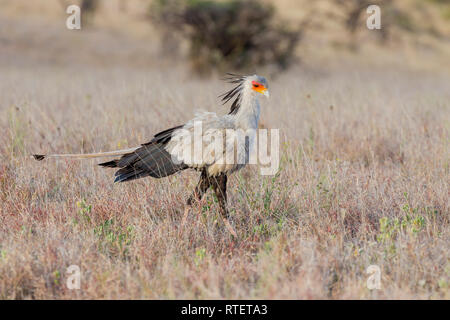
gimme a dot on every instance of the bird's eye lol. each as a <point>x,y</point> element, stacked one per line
<point>255,85</point>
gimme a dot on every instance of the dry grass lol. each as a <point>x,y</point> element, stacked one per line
<point>363,180</point>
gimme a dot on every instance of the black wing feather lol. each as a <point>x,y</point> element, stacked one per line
<point>151,159</point>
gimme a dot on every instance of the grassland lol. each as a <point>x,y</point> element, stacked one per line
<point>363,178</point>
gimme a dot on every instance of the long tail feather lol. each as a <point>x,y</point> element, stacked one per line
<point>122,152</point>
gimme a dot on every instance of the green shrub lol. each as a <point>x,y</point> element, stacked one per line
<point>236,34</point>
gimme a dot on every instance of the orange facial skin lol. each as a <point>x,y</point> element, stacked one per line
<point>258,87</point>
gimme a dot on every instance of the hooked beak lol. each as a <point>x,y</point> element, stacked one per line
<point>266,93</point>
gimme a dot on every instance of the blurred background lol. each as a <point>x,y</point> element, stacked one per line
<point>230,35</point>
<point>364,129</point>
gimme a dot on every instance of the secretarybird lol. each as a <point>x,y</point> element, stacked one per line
<point>163,156</point>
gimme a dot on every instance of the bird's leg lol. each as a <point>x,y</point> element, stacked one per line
<point>220,188</point>
<point>203,184</point>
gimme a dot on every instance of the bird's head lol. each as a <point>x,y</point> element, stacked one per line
<point>258,84</point>
<point>253,84</point>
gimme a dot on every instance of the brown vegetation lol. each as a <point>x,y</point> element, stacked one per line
<point>363,178</point>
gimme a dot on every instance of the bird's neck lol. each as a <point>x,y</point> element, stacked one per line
<point>247,116</point>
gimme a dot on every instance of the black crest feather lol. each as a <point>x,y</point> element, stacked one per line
<point>235,92</point>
